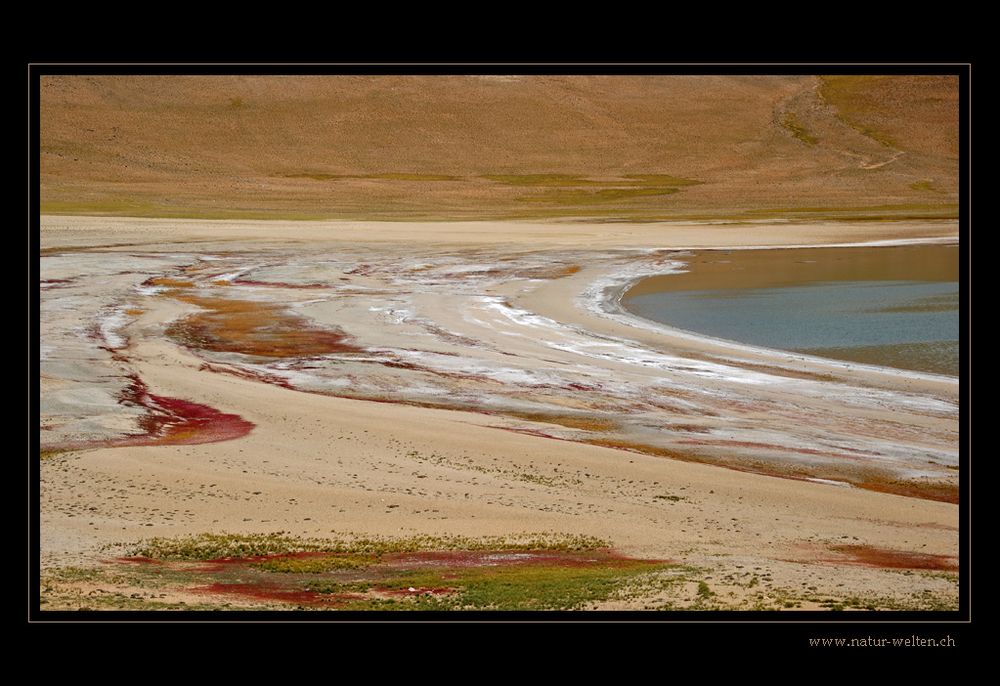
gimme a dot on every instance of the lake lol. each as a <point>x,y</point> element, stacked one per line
<point>891,306</point>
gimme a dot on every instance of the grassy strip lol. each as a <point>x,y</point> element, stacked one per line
<point>528,587</point>
<point>316,565</point>
<point>122,207</point>
<point>220,546</point>
<point>574,196</point>
<point>48,453</point>
<point>572,180</point>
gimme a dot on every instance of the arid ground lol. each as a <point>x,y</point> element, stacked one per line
<point>356,343</point>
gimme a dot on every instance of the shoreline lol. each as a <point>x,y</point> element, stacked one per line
<point>613,306</point>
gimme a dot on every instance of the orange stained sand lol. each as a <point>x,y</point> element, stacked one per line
<point>169,283</point>
<point>253,328</point>
<point>555,272</point>
<point>930,490</point>
<point>870,556</point>
<point>868,479</point>
<point>570,421</point>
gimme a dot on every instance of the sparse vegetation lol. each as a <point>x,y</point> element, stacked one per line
<point>222,546</point>
<point>854,99</point>
<point>420,154</point>
<point>48,453</point>
<point>574,196</point>
<point>792,123</point>
<point>316,565</point>
<point>528,572</point>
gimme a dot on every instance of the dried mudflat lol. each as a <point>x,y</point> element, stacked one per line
<point>335,380</point>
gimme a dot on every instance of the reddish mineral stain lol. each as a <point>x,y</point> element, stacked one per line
<point>943,492</point>
<point>139,560</point>
<point>870,556</point>
<point>768,446</point>
<point>253,328</point>
<point>172,421</point>
<point>263,377</point>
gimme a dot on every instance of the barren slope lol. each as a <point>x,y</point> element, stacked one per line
<point>500,147</point>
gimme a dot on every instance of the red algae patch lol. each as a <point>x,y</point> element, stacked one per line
<point>138,560</point>
<point>168,421</point>
<point>172,421</point>
<point>870,556</point>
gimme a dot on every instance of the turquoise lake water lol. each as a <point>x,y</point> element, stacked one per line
<point>909,323</point>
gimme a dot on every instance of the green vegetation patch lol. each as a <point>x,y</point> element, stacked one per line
<point>573,180</point>
<point>546,571</point>
<point>222,546</point>
<point>124,207</point>
<point>572,196</point>
<point>568,191</point>
<point>541,180</point>
<point>48,453</point>
<point>316,565</point>
<point>855,102</point>
<point>926,186</point>
<point>516,587</point>
<point>795,127</point>
<point>384,176</point>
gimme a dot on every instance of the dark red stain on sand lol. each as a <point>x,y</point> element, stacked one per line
<point>173,421</point>
<point>168,421</point>
<point>138,560</point>
<point>870,556</point>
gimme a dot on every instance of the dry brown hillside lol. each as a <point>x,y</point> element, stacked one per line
<point>493,147</point>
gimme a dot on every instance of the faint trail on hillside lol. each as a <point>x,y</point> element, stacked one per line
<point>808,117</point>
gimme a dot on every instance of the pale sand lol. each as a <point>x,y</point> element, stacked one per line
<point>316,464</point>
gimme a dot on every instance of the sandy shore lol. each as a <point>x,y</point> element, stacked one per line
<point>512,398</point>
